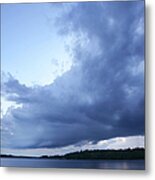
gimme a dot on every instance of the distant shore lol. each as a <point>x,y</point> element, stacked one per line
<point>121,154</point>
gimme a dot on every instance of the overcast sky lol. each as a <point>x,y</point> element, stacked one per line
<point>72,76</point>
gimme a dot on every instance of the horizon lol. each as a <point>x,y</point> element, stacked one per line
<point>80,151</point>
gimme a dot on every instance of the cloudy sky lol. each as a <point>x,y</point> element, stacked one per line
<point>72,77</point>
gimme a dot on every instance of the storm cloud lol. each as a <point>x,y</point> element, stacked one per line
<point>100,97</point>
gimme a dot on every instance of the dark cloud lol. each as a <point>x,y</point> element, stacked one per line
<point>101,97</point>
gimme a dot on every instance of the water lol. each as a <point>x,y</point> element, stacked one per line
<point>86,164</point>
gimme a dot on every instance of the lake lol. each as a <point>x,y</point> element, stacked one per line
<point>82,164</point>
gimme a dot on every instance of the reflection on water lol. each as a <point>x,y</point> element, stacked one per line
<point>87,164</point>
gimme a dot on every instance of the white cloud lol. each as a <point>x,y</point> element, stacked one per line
<point>114,143</point>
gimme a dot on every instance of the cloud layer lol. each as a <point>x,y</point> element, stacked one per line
<point>100,97</point>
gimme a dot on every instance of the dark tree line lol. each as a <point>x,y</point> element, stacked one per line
<point>137,153</point>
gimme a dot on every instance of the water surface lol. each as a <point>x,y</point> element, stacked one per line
<point>86,164</point>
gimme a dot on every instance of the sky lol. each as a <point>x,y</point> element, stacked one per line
<point>72,77</point>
